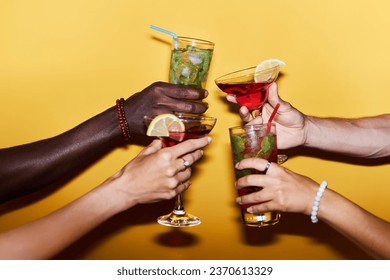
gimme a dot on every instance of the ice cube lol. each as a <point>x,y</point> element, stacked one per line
<point>195,59</point>
<point>185,71</point>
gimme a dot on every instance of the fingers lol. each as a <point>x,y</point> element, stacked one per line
<point>245,114</point>
<point>185,92</point>
<point>179,105</point>
<point>178,98</point>
<point>258,164</point>
<point>182,187</point>
<point>183,163</point>
<point>189,146</point>
<point>152,147</point>
<point>231,98</point>
<point>273,97</point>
<point>255,197</point>
<point>188,107</point>
<point>184,175</point>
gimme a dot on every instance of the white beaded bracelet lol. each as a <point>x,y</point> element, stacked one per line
<point>317,200</point>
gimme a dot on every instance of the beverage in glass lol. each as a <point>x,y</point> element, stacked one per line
<point>190,62</point>
<point>254,141</point>
<point>250,87</point>
<point>195,126</point>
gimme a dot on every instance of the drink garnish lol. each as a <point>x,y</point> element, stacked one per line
<point>270,63</point>
<point>190,66</point>
<point>267,145</point>
<point>238,148</point>
<point>261,75</point>
<point>161,125</point>
<point>238,144</point>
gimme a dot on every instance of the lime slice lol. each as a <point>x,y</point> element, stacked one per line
<point>160,125</point>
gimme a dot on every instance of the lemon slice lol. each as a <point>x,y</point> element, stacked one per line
<point>162,124</point>
<point>267,65</point>
<point>270,63</point>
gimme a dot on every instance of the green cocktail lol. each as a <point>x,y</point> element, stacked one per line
<point>248,142</point>
<point>190,62</point>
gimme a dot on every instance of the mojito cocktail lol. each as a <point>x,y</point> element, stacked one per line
<point>190,62</point>
<point>247,142</point>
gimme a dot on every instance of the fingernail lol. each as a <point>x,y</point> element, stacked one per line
<point>249,210</point>
<point>209,139</point>
<point>238,200</point>
<point>206,93</point>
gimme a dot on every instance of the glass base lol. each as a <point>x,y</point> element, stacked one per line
<point>179,218</point>
<point>261,219</point>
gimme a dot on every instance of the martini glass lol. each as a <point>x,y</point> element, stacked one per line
<point>250,87</point>
<point>196,126</point>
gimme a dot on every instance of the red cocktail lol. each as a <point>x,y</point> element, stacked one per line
<point>251,95</point>
<point>195,126</point>
<point>250,87</point>
<point>192,132</point>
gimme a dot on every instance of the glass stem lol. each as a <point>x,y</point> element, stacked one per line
<point>179,206</point>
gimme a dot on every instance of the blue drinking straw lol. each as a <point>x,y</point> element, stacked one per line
<point>175,44</point>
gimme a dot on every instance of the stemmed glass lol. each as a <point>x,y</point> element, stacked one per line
<point>250,87</point>
<point>196,126</point>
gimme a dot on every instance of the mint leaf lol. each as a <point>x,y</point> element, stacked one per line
<point>267,145</point>
<point>238,144</point>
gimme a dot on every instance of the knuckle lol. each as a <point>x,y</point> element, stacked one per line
<point>170,171</point>
<point>188,106</point>
<point>172,184</point>
<point>171,194</point>
<point>158,84</point>
<point>165,156</point>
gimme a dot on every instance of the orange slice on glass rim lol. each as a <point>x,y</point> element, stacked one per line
<point>166,125</point>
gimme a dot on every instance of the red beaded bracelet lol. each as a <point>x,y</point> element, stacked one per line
<point>122,119</point>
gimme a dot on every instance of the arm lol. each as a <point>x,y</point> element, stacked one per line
<point>29,167</point>
<point>167,176</point>
<point>361,137</point>
<point>284,190</point>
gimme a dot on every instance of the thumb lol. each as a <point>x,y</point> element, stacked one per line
<point>245,114</point>
<point>273,95</point>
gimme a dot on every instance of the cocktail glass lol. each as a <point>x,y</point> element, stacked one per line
<point>254,141</point>
<point>190,62</point>
<point>250,87</point>
<point>196,126</point>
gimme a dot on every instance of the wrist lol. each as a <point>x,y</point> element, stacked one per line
<point>317,200</point>
<point>123,123</point>
<point>119,190</point>
<point>310,131</point>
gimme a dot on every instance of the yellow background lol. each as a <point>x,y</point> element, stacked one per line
<point>61,62</point>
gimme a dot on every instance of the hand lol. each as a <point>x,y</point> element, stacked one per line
<point>283,190</point>
<point>156,174</point>
<point>290,123</point>
<point>160,98</point>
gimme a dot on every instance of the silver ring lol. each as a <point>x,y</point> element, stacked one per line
<point>267,166</point>
<point>186,163</point>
